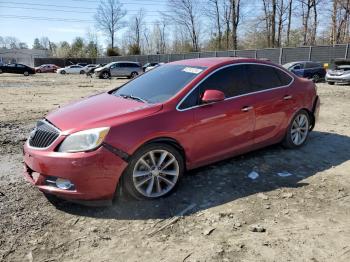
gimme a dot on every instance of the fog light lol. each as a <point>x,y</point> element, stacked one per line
<point>63,183</point>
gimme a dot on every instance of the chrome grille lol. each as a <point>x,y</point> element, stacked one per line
<point>43,135</point>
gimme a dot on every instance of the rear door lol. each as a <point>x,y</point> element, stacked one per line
<point>226,127</point>
<point>273,102</point>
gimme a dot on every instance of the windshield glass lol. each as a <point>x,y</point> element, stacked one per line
<point>160,84</point>
<point>344,67</point>
<point>288,65</point>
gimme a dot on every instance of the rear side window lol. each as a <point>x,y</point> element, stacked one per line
<point>313,65</point>
<point>284,78</point>
<point>263,77</point>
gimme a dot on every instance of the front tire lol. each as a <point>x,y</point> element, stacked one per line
<point>63,72</point>
<point>105,75</point>
<point>82,72</point>
<point>316,78</point>
<point>26,73</point>
<point>331,83</point>
<point>153,172</point>
<point>298,130</point>
<point>0,71</point>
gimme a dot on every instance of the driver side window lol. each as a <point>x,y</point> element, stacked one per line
<point>232,81</point>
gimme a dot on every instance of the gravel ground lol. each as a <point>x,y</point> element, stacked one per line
<point>218,213</point>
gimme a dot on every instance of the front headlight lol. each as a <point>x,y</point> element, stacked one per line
<point>84,140</point>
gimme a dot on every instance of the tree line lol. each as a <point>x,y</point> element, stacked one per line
<point>195,25</point>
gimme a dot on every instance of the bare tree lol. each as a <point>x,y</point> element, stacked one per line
<point>227,12</point>
<point>159,36</point>
<point>290,8</point>
<point>109,17</point>
<point>213,11</point>
<point>235,19</point>
<point>136,29</point>
<point>186,14</point>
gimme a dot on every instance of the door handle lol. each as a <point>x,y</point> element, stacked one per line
<point>287,97</point>
<point>246,108</point>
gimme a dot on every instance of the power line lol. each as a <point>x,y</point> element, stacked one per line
<point>55,19</point>
<point>71,11</point>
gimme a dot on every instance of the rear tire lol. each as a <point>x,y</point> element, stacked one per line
<point>63,72</point>
<point>26,73</point>
<point>153,171</point>
<point>331,83</point>
<point>298,130</point>
<point>133,75</point>
<point>82,72</point>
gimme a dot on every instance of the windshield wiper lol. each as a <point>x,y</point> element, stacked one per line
<point>134,98</point>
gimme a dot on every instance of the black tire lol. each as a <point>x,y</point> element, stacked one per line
<point>133,75</point>
<point>63,72</point>
<point>316,78</point>
<point>26,73</point>
<point>288,141</point>
<point>38,71</point>
<point>331,83</point>
<point>0,71</point>
<point>105,75</point>
<point>128,180</point>
<point>82,72</point>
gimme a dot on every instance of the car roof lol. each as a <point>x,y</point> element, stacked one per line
<point>218,61</point>
<point>132,62</point>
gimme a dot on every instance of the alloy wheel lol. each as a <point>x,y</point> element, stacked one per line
<point>316,78</point>
<point>26,73</point>
<point>105,75</point>
<point>134,74</point>
<point>156,173</point>
<point>300,129</point>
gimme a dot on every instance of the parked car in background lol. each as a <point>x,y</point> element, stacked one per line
<point>17,69</point>
<point>340,72</point>
<point>307,69</point>
<point>48,68</point>
<point>82,64</point>
<point>151,66</point>
<point>126,69</point>
<point>143,135</point>
<point>91,71</point>
<point>87,68</point>
<point>73,69</point>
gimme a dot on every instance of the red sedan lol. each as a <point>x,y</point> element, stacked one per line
<point>49,68</point>
<point>144,135</point>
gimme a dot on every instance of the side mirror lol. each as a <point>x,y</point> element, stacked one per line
<point>211,96</point>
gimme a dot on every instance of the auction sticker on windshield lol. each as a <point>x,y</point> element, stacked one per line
<point>192,70</point>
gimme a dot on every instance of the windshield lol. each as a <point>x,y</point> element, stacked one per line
<point>288,65</point>
<point>343,67</point>
<point>160,84</point>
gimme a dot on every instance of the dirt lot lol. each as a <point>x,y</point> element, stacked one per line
<point>304,217</point>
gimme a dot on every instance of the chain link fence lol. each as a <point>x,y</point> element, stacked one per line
<point>323,54</point>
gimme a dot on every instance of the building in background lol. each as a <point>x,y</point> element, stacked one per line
<point>22,56</point>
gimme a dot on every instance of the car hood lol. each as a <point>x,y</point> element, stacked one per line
<point>98,69</point>
<point>338,72</point>
<point>99,111</point>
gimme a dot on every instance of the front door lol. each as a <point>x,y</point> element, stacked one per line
<point>225,128</point>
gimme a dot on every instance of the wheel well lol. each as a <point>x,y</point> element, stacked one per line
<point>312,118</point>
<point>170,141</point>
